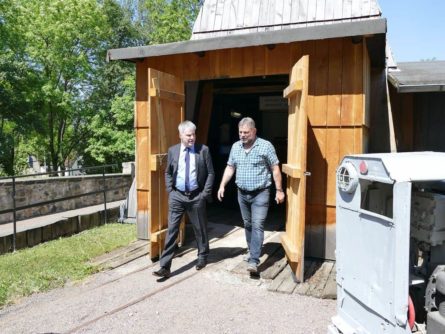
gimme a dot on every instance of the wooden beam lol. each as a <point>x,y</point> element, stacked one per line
<point>294,87</point>
<point>249,90</point>
<point>292,171</point>
<point>290,249</point>
<point>157,161</point>
<point>158,236</point>
<point>166,95</point>
<point>205,113</point>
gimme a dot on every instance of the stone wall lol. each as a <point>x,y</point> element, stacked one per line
<point>30,191</point>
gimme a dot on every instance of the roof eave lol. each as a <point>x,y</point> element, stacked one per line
<point>334,30</point>
<point>420,88</point>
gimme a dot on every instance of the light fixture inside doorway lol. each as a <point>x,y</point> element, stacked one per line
<point>235,114</point>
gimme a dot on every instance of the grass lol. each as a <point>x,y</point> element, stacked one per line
<point>54,263</point>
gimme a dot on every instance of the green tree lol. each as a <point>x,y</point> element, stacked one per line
<point>170,20</point>
<point>62,38</point>
<point>17,86</point>
<point>139,22</point>
<point>59,99</point>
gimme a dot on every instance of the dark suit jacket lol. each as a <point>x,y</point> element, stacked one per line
<point>204,169</point>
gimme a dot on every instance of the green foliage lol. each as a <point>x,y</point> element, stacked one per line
<point>54,263</point>
<point>59,99</point>
<point>170,20</point>
<point>112,141</point>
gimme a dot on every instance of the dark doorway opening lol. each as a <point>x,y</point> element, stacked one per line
<point>260,98</point>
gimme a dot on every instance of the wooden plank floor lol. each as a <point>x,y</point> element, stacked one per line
<point>319,278</point>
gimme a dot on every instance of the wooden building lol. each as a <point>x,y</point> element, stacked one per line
<point>327,57</point>
<point>417,96</point>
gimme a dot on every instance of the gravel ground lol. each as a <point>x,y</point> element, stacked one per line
<point>130,299</point>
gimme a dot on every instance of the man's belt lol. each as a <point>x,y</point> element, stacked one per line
<point>192,193</point>
<point>252,191</point>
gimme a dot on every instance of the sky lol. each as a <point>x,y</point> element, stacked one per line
<point>416,28</point>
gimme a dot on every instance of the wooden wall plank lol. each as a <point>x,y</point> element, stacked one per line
<point>270,15</point>
<point>259,59</point>
<point>142,159</point>
<point>366,8</point>
<point>317,166</point>
<point>240,13</point>
<point>311,11</point>
<point>227,10</point>
<point>294,12</point>
<point>329,10</point>
<point>237,62</point>
<point>303,12</point>
<point>142,144</point>
<point>347,110</point>
<point>219,11</point>
<point>264,10</point>
<point>332,160</point>
<point>205,113</point>
<point>358,84</point>
<point>334,82</point>
<point>356,8</point>
<point>287,11</point>
<point>366,86</point>
<point>248,68</point>
<point>318,115</point>
<point>279,13</point>
<point>347,8</point>
<point>338,9</point>
<point>278,59</point>
<point>320,10</point>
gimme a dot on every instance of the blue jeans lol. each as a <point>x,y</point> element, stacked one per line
<point>254,206</point>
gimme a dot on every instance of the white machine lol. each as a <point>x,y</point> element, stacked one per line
<point>390,248</point>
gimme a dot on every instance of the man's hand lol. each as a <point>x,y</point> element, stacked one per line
<point>220,193</point>
<point>279,197</point>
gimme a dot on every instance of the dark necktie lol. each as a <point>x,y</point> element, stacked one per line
<point>187,169</point>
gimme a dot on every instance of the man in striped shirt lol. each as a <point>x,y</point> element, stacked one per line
<point>255,163</point>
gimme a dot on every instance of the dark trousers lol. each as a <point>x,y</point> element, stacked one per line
<point>196,211</point>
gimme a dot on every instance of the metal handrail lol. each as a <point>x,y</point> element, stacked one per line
<point>57,171</point>
<point>14,208</point>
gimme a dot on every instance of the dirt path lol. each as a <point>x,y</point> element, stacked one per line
<point>129,299</point>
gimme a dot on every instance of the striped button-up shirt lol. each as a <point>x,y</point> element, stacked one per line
<point>254,167</point>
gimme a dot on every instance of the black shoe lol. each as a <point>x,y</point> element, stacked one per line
<point>201,264</point>
<point>162,272</point>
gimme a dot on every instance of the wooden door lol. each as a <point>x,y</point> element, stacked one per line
<point>165,112</point>
<point>295,169</point>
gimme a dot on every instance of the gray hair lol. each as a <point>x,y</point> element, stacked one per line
<point>247,121</point>
<point>186,125</point>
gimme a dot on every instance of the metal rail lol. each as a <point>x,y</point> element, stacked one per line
<point>14,208</point>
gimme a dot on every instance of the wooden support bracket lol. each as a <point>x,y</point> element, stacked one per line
<point>294,255</point>
<point>295,86</point>
<point>156,161</point>
<point>158,236</point>
<point>166,95</point>
<point>292,171</point>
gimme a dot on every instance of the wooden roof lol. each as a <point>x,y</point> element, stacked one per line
<point>225,24</point>
<point>227,17</point>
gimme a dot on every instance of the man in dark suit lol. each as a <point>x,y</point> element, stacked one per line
<point>189,179</point>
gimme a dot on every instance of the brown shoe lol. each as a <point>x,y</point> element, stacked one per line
<point>162,272</point>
